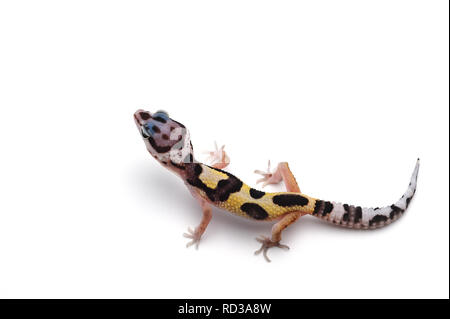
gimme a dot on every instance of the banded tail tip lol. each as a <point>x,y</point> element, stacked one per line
<point>416,169</point>
<point>366,217</point>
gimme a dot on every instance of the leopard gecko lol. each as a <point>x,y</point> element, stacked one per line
<point>168,141</point>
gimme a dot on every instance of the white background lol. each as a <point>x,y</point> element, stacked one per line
<point>350,93</point>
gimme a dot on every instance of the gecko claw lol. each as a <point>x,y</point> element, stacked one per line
<point>269,176</point>
<point>218,157</point>
<point>266,244</point>
<point>191,234</point>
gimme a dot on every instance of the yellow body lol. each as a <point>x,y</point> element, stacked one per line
<point>211,177</point>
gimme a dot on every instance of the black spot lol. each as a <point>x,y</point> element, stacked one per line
<point>345,217</point>
<point>395,211</point>
<point>227,187</point>
<point>254,210</point>
<point>224,188</point>
<point>221,189</point>
<point>407,201</point>
<point>156,129</point>
<point>159,149</point>
<point>256,194</point>
<point>322,208</point>
<point>328,208</point>
<point>160,119</point>
<point>358,214</point>
<point>165,136</point>
<point>290,200</point>
<point>318,207</point>
<point>198,169</point>
<point>377,219</point>
<point>144,115</point>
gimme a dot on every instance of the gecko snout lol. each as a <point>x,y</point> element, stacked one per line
<point>141,117</point>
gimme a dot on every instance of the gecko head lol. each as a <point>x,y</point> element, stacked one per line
<point>166,139</point>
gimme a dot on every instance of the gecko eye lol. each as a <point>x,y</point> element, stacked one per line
<point>161,116</point>
<point>162,113</point>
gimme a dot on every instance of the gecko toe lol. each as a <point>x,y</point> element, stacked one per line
<point>218,158</point>
<point>267,243</point>
<point>283,246</point>
<point>265,254</point>
<point>194,236</point>
<point>268,176</point>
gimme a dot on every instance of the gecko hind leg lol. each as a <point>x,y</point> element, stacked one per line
<point>282,173</point>
<point>218,158</point>
<point>266,242</point>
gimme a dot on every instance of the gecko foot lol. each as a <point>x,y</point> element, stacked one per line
<point>269,177</point>
<point>191,234</point>
<point>218,158</point>
<point>266,244</point>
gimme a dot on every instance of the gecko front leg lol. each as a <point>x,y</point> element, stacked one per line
<point>218,158</point>
<point>282,173</point>
<point>197,233</point>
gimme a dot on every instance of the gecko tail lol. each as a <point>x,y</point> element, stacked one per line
<point>366,218</point>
